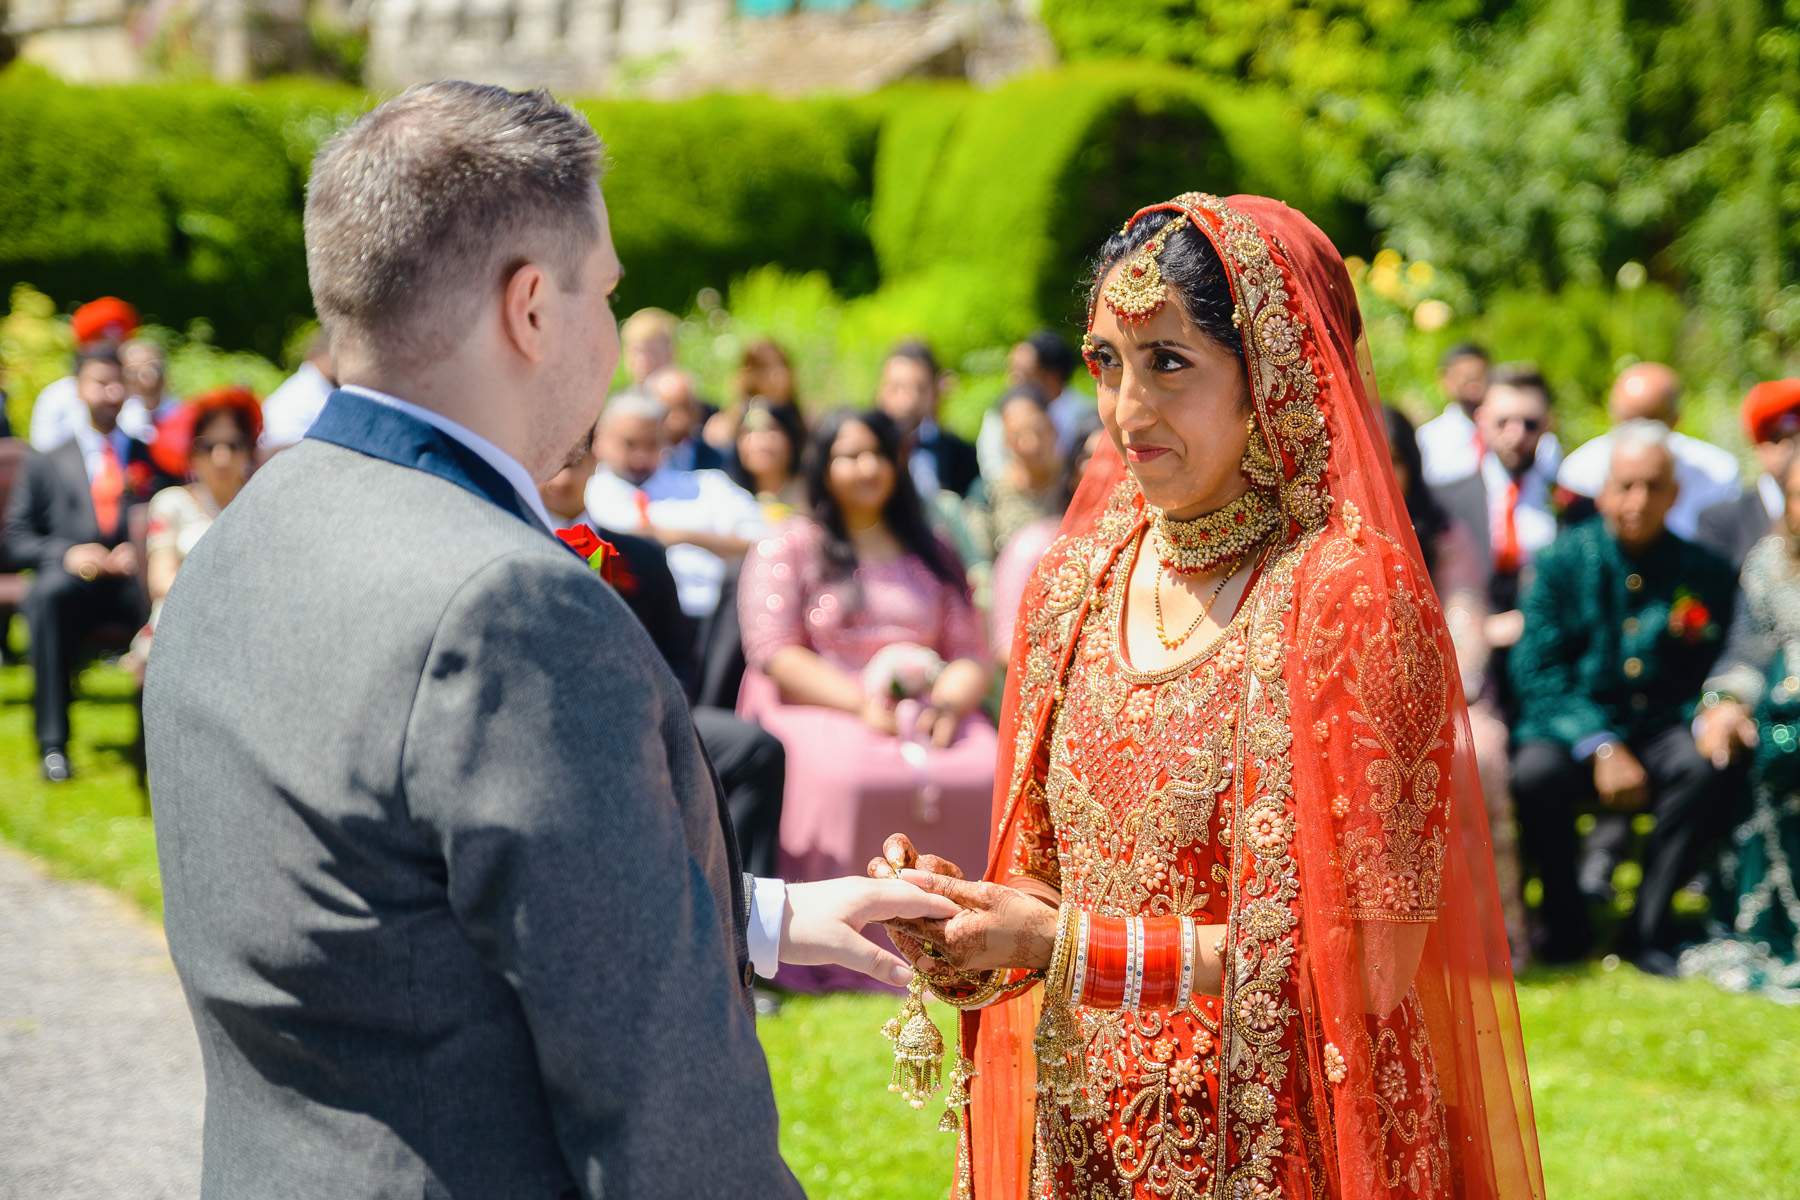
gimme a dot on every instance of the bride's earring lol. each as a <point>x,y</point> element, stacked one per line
<point>1258,464</point>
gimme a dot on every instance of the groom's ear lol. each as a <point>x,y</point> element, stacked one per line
<point>522,316</point>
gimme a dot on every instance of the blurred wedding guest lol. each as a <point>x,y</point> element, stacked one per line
<point>1045,361</point>
<point>1622,625</point>
<point>1751,708</point>
<point>148,401</point>
<point>210,441</point>
<point>1450,445</point>
<point>58,410</point>
<point>647,342</point>
<point>292,408</point>
<point>1505,503</point>
<point>704,521</point>
<point>1013,568</point>
<point>765,371</point>
<point>1705,474</point>
<point>771,439</point>
<point>910,390</point>
<point>1027,486</point>
<point>1772,417</point>
<point>69,518</point>
<point>751,763</point>
<point>1459,570</point>
<point>679,392</point>
<point>820,601</point>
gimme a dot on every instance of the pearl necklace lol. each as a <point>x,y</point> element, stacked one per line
<point>1210,540</point>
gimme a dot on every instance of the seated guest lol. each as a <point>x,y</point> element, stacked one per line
<point>763,371</point>
<point>766,464</point>
<point>1044,361</point>
<point>1459,571</point>
<point>292,408</point>
<point>58,412</point>
<point>647,342</point>
<point>69,519</point>
<point>211,441</point>
<point>1622,626</point>
<point>909,393</point>
<point>751,763</point>
<point>1026,487</point>
<point>704,521</point>
<point>1751,708</point>
<point>820,599</point>
<point>1705,474</point>
<point>1772,418</point>
<point>1013,568</point>
<point>679,392</point>
<point>1449,444</point>
<point>148,401</point>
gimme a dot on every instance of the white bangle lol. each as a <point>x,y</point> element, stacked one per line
<point>1134,963</point>
<point>1079,983</point>
<point>1184,988</point>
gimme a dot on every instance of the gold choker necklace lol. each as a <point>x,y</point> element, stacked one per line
<point>1201,545</point>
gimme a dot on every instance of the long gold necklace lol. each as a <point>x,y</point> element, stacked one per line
<point>1169,643</point>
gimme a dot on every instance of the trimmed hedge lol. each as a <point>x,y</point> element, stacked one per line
<point>974,212</point>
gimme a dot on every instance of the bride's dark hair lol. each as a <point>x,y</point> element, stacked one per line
<point>1189,262</point>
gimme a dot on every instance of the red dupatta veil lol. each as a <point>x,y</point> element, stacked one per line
<point>1366,742</point>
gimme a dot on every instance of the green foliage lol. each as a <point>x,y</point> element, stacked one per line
<point>35,348</point>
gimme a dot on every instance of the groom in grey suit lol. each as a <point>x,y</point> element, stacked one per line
<point>447,873</point>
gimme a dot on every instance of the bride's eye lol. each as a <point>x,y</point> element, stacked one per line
<point>1167,360</point>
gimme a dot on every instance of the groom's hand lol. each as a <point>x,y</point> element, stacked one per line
<point>823,923</point>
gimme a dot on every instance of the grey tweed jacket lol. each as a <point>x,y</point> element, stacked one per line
<point>445,877</point>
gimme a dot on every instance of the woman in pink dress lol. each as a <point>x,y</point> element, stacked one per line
<point>818,600</point>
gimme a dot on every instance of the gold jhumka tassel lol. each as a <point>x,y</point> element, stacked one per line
<point>918,1049</point>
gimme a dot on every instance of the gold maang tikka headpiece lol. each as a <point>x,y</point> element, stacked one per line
<point>1138,291</point>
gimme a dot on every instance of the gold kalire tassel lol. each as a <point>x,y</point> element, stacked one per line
<point>958,1099</point>
<point>918,1049</point>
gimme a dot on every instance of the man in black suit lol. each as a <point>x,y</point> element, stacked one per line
<point>68,520</point>
<point>911,386</point>
<point>1772,417</point>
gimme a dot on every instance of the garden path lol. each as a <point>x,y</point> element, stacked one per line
<point>100,1077</point>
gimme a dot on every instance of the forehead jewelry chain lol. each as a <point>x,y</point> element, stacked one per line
<point>1169,643</point>
<point>1138,291</point>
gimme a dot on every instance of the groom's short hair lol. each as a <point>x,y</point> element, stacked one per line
<point>428,203</point>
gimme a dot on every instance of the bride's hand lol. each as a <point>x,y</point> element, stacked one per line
<point>899,855</point>
<point>998,927</point>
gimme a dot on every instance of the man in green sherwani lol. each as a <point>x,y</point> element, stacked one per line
<point>1621,628</point>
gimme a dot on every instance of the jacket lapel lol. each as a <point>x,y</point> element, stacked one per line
<point>73,468</point>
<point>360,424</point>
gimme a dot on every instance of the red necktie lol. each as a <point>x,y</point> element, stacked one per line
<point>1506,555</point>
<point>107,488</point>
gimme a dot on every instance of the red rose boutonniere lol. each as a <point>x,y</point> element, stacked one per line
<point>138,479</point>
<point>1690,619</point>
<point>601,554</point>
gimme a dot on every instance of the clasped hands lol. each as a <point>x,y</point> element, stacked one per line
<point>995,926</point>
<point>90,560</point>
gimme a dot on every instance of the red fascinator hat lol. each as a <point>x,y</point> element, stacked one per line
<point>108,316</point>
<point>175,436</point>
<point>1772,410</point>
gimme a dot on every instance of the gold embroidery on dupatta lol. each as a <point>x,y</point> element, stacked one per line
<point>1394,672</point>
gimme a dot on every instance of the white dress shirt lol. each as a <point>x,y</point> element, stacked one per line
<point>695,501</point>
<point>1450,450</point>
<point>1705,473</point>
<point>292,408</point>
<point>768,897</point>
<point>1769,491</point>
<point>1532,518</point>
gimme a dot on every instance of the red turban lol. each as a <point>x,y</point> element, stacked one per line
<point>175,436</point>
<point>108,316</point>
<point>1772,410</point>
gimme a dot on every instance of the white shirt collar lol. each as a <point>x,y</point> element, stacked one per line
<point>1774,503</point>
<point>508,466</point>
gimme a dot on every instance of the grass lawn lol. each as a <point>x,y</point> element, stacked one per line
<point>1645,1088</point>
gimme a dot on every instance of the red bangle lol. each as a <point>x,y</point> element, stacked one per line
<point>1162,961</point>
<point>1104,986</point>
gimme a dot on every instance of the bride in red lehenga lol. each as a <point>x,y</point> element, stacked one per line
<point>1239,934</point>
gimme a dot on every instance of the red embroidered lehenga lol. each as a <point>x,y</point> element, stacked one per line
<point>1307,781</point>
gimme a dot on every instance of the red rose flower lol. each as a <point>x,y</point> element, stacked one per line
<point>1695,620</point>
<point>582,540</point>
<point>137,478</point>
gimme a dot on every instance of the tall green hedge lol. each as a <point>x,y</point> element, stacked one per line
<point>961,215</point>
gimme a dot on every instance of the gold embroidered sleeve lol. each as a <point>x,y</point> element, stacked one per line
<point>1378,661</point>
